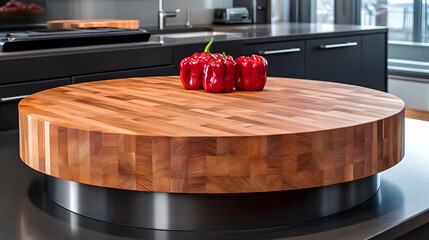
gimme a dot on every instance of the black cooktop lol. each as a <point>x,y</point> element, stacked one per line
<point>74,37</point>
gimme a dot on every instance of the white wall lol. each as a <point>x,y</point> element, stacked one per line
<point>414,94</point>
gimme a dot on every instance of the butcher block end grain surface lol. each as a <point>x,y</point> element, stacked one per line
<point>90,23</point>
<point>150,134</point>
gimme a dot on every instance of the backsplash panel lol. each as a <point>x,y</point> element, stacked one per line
<point>144,10</point>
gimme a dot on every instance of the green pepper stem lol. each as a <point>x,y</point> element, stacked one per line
<point>209,45</point>
<point>223,54</point>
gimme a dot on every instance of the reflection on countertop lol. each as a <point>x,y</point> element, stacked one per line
<point>259,32</point>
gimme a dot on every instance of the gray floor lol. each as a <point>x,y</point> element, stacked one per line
<point>399,206</point>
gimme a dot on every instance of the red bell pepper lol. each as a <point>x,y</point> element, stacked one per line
<point>191,68</point>
<point>219,75</point>
<point>251,73</point>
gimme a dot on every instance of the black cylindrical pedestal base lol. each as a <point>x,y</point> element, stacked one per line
<point>180,211</point>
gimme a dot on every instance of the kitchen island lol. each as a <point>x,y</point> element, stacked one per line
<point>204,157</point>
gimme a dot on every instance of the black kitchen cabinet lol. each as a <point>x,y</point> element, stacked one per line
<point>336,59</point>
<point>11,94</point>
<point>285,59</point>
<point>59,64</point>
<point>142,72</point>
<point>374,61</point>
<point>344,55</point>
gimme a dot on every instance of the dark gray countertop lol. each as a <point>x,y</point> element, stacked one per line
<point>161,51</point>
<point>400,205</point>
<point>256,33</point>
<point>249,32</point>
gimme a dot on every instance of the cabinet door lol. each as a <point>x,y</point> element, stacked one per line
<point>144,72</point>
<point>285,59</point>
<point>335,59</point>
<point>37,66</point>
<point>11,94</point>
<point>374,62</point>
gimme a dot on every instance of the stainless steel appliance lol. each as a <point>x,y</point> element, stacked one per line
<point>73,37</point>
<point>231,15</point>
<point>259,10</point>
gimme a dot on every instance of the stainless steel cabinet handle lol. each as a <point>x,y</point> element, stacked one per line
<point>11,99</point>
<point>339,45</point>
<point>289,50</point>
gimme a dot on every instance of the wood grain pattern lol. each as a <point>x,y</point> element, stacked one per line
<point>150,134</point>
<point>89,23</point>
<point>416,114</point>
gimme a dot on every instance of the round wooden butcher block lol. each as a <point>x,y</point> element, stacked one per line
<point>150,134</point>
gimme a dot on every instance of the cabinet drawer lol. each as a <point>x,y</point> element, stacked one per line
<point>285,59</point>
<point>143,72</point>
<point>65,65</point>
<point>11,94</point>
<point>335,59</point>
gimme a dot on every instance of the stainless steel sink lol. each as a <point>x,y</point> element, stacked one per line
<point>177,29</point>
<point>196,34</point>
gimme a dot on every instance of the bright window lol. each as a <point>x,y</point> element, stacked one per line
<point>325,11</point>
<point>407,19</point>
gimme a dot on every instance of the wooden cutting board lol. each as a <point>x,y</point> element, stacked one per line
<point>87,23</point>
<point>150,134</point>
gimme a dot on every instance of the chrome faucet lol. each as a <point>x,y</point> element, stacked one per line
<point>188,18</point>
<point>162,16</point>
